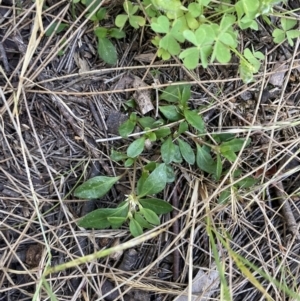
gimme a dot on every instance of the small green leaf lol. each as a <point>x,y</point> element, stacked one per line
<point>247,182</point>
<point>101,14</point>
<point>97,219</point>
<point>126,128</point>
<point>170,44</point>
<point>56,27</point>
<point>287,24</point>
<point>121,20</point>
<point>146,122</point>
<point>135,228</point>
<point>224,196</point>
<point>229,155</point>
<point>156,205</point>
<point>190,57</point>
<point>170,174</point>
<point>205,161</point>
<point>162,133</point>
<point>177,158</point>
<point>185,95</point>
<point>156,182</point>
<point>142,222</point>
<point>278,35</point>
<point>195,120</point>
<point>116,33</point>
<point>183,127</point>
<point>219,168</point>
<point>150,216</point>
<point>186,152</point>
<point>107,51</point>
<point>129,162</point>
<point>141,181</point>
<point>96,187</point>
<point>101,32</point>
<point>168,150</point>
<point>234,145</point>
<point>170,93</point>
<point>117,156</point>
<point>170,112</point>
<point>137,21</point>
<point>136,147</point>
<point>292,34</point>
<point>116,221</point>
<point>161,25</point>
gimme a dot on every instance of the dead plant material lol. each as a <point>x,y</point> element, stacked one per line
<point>141,96</point>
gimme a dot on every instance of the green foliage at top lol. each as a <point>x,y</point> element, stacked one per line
<point>210,27</point>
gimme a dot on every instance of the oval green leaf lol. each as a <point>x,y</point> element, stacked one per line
<point>95,188</point>
<point>135,228</point>
<point>143,223</point>
<point>126,128</point>
<point>204,161</point>
<point>186,152</point>
<point>156,205</point>
<point>97,219</point>
<point>195,120</point>
<point>107,51</point>
<point>156,182</point>
<point>136,147</point>
<point>150,216</point>
<point>170,112</point>
<point>168,151</point>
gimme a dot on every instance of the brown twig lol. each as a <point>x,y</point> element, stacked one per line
<point>287,212</point>
<point>175,229</point>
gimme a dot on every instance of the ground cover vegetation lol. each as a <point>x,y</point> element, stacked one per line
<point>149,150</point>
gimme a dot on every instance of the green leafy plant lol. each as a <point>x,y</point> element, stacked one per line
<point>106,49</point>
<point>185,141</point>
<point>286,32</point>
<point>139,210</point>
<point>211,27</point>
<point>134,20</point>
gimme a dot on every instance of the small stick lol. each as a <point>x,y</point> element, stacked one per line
<point>175,229</point>
<point>286,209</point>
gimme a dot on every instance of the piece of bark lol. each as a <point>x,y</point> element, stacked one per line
<point>142,97</point>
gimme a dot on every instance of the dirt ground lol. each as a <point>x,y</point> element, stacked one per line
<point>54,110</point>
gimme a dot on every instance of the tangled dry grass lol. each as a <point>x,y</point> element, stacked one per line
<point>53,111</point>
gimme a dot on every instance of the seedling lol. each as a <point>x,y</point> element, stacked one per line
<point>139,210</point>
<point>286,32</point>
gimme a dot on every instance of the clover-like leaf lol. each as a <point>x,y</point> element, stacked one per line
<point>161,25</point>
<point>121,20</point>
<point>137,21</point>
<point>95,187</point>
